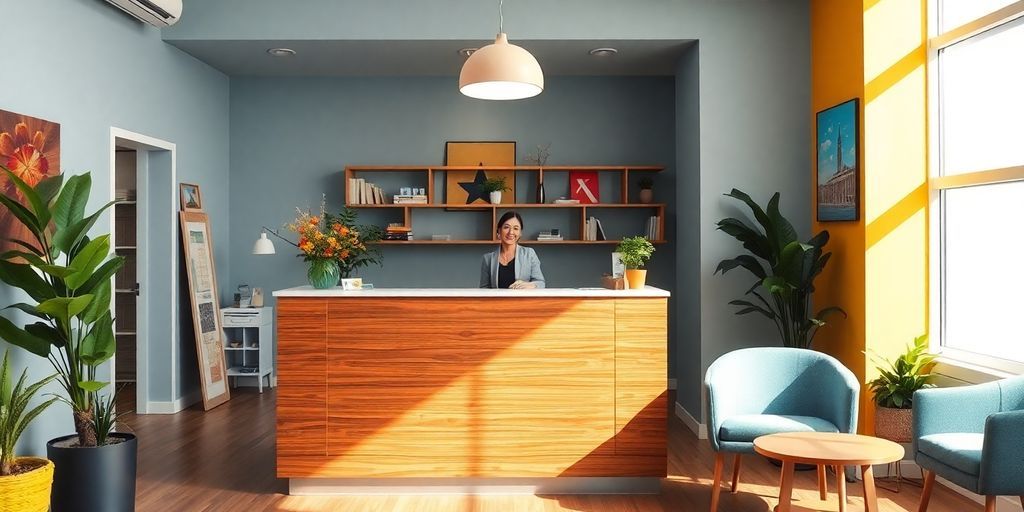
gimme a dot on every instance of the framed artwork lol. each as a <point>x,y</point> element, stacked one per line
<point>202,285</point>
<point>29,147</point>
<point>463,187</point>
<point>584,186</point>
<point>191,201</point>
<point>837,175</point>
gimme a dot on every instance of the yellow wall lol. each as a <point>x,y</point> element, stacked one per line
<point>875,50</point>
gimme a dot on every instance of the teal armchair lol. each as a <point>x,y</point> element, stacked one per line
<point>972,436</point>
<point>768,390</point>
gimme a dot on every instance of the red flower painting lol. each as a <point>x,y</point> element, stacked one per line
<point>30,148</point>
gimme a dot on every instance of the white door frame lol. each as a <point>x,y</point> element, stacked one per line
<point>140,142</point>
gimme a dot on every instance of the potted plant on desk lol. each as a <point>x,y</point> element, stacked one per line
<point>24,481</point>
<point>68,276</point>
<point>494,186</point>
<point>635,251</point>
<point>894,390</point>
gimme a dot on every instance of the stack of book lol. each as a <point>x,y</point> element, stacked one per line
<point>593,230</point>
<point>550,236</point>
<point>567,201</point>
<point>410,199</point>
<point>397,231</point>
<point>653,228</point>
<point>361,191</point>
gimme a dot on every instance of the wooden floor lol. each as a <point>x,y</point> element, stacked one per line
<point>223,460</point>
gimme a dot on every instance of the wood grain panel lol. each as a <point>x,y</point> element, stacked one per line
<point>477,380</point>
<point>301,379</point>
<point>641,374</point>
<point>531,465</point>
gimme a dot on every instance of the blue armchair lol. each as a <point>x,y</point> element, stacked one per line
<point>759,391</point>
<point>972,436</point>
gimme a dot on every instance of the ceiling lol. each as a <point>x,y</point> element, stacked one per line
<point>429,57</point>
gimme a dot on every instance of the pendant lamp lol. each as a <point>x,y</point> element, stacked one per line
<point>501,71</point>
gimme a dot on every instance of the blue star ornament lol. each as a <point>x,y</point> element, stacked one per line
<point>474,189</point>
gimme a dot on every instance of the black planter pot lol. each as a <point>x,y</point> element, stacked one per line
<point>94,479</point>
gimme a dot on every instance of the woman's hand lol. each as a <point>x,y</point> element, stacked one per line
<point>521,285</point>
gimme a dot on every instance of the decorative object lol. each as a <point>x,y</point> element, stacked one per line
<point>783,266</point>
<point>494,187</point>
<point>190,199</point>
<point>263,245</point>
<point>68,279</point>
<point>894,389</point>
<point>584,186</point>
<point>646,194</point>
<point>24,481</point>
<point>323,273</point>
<point>329,240</point>
<point>837,148</point>
<point>203,292</point>
<point>30,148</point>
<point>353,283</point>
<point>464,187</point>
<point>501,71</point>
<point>540,159</point>
<point>634,252</point>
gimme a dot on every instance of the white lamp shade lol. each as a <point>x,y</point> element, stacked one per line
<point>501,71</point>
<point>263,245</point>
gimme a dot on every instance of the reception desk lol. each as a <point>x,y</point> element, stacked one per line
<point>465,387</point>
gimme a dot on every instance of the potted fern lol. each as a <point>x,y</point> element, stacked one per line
<point>67,275</point>
<point>634,252</point>
<point>894,389</point>
<point>494,187</point>
<point>24,481</point>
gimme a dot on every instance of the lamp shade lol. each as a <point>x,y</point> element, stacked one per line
<point>263,245</point>
<point>501,71</point>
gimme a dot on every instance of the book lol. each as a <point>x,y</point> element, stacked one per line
<point>567,201</point>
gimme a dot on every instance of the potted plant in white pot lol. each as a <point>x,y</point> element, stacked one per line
<point>67,275</point>
<point>894,389</point>
<point>494,187</point>
<point>24,481</point>
<point>635,251</point>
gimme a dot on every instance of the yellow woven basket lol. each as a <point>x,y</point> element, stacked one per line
<point>27,492</point>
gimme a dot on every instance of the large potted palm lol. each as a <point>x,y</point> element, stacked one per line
<point>784,268</point>
<point>67,275</point>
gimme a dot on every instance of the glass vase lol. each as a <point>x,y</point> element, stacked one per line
<point>323,274</point>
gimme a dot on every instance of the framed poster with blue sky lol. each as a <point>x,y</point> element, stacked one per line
<point>836,162</point>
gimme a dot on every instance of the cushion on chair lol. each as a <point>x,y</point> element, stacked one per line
<point>961,451</point>
<point>747,427</point>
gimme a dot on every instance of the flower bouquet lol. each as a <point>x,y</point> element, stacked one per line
<point>334,245</point>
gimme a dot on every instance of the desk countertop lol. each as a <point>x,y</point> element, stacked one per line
<point>309,291</point>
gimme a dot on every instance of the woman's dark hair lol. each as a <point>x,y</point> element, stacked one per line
<point>510,215</point>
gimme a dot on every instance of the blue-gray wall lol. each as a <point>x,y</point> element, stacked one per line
<point>83,64</point>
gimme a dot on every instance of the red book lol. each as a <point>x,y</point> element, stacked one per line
<point>583,185</point>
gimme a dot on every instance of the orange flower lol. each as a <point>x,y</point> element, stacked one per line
<point>343,231</point>
<point>23,154</point>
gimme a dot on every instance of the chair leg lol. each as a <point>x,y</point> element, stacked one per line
<point>822,483</point>
<point>735,473</point>
<point>716,487</point>
<point>990,504</point>
<point>926,491</point>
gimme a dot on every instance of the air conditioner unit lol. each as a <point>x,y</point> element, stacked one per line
<point>159,13</point>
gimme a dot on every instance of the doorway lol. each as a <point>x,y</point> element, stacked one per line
<point>144,231</point>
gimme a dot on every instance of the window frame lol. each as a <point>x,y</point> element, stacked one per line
<point>937,183</point>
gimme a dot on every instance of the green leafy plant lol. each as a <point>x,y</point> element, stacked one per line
<point>105,415</point>
<point>898,379</point>
<point>67,275</point>
<point>645,183</point>
<point>785,268</point>
<point>15,415</point>
<point>496,184</point>
<point>635,251</point>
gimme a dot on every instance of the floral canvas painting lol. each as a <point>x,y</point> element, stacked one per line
<point>29,147</point>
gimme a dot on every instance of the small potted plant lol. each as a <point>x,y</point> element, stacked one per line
<point>635,251</point>
<point>494,186</point>
<point>24,481</point>
<point>646,194</point>
<point>894,390</point>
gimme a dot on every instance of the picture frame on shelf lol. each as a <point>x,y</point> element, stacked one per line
<point>465,187</point>
<point>584,186</point>
<point>837,166</point>
<point>191,200</point>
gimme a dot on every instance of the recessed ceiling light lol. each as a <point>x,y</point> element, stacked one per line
<point>466,52</point>
<point>281,52</point>
<point>603,52</point>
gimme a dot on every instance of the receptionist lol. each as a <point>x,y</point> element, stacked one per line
<point>511,265</point>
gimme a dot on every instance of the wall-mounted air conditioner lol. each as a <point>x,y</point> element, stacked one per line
<point>159,13</point>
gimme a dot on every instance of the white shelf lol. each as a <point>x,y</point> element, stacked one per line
<point>249,326</point>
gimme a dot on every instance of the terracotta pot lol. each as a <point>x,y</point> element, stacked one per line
<point>646,195</point>
<point>637,278</point>
<point>893,424</point>
<point>27,492</point>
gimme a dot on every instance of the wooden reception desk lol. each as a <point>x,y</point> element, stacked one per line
<point>435,386</point>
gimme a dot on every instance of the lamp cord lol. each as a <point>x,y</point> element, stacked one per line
<point>501,17</point>
<point>275,233</point>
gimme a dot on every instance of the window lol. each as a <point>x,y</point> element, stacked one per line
<point>978,181</point>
